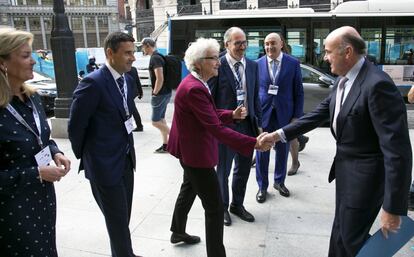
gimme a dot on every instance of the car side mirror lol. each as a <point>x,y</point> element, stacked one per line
<point>326,82</point>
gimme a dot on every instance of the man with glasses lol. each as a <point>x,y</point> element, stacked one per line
<point>237,84</point>
<point>281,95</point>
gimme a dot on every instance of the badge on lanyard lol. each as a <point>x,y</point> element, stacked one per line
<point>44,157</point>
<point>240,95</point>
<point>273,89</point>
<point>129,125</point>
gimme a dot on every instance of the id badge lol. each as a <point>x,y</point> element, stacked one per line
<point>273,89</point>
<point>240,95</point>
<point>44,157</point>
<point>129,125</point>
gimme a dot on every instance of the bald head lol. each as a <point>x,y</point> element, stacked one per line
<point>273,45</point>
<point>343,48</point>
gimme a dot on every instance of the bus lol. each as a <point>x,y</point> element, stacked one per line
<point>386,26</point>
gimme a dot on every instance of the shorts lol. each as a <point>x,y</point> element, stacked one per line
<point>159,106</point>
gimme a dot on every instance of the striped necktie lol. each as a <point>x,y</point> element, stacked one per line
<point>120,81</point>
<point>239,85</point>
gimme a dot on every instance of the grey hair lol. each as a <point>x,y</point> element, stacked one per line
<point>148,42</point>
<point>197,50</point>
<point>229,32</point>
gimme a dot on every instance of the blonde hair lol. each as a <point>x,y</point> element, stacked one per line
<point>10,41</point>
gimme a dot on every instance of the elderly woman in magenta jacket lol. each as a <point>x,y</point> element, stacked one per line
<point>197,128</point>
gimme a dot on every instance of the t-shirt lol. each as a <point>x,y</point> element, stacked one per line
<point>157,61</point>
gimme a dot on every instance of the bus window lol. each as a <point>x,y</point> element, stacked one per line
<point>296,38</point>
<point>398,42</point>
<point>319,36</point>
<point>372,37</point>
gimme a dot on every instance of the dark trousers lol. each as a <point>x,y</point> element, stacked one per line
<point>201,182</point>
<point>137,117</point>
<point>262,158</point>
<point>350,228</point>
<point>241,172</point>
<point>115,203</point>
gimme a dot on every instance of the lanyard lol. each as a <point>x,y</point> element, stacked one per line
<point>24,123</point>
<point>276,73</point>
<point>124,97</point>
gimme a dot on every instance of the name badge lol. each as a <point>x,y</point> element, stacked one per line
<point>44,157</point>
<point>273,89</point>
<point>129,125</point>
<point>240,95</point>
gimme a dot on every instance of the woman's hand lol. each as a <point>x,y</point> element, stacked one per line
<point>51,173</point>
<point>60,160</point>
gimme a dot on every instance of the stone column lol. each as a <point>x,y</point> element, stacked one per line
<point>205,5</point>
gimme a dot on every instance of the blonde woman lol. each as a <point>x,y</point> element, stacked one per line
<point>27,195</point>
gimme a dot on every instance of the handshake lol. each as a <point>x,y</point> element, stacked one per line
<point>265,141</point>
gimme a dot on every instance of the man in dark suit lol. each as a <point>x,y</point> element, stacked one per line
<point>373,159</point>
<point>137,93</point>
<point>281,97</point>
<point>236,84</point>
<point>100,126</point>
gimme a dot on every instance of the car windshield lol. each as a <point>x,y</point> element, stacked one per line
<point>37,77</point>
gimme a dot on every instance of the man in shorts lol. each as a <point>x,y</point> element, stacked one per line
<point>161,94</point>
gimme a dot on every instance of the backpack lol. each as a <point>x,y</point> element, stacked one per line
<point>172,71</point>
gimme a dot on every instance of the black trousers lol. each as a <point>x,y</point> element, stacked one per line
<point>204,183</point>
<point>115,203</point>
<point>137,117</point>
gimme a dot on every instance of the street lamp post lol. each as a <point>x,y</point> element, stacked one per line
<point>63,49</point>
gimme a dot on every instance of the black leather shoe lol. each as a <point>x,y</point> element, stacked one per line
<point>186,238</point>
<point>241,212</point>
<point>293,170</point>
<point>261,196</point>
<point>302,142</point>
<point>283,191</point>
<point>227,219</point>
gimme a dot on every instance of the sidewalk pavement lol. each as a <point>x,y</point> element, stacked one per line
<point>298,226</point>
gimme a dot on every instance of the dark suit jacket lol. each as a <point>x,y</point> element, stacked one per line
<point>373,159</point>
<point>223,89</point>
<point>197,125</point>
<point>138,87</point>
<point>289,99</point>
<point>96,127</point>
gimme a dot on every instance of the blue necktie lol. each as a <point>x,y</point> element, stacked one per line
<point>120,81</point>
<point>239,85</point>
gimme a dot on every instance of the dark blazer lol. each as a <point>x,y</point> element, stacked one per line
<point>197,125</point>
<point>138,89</point>
<point>289,100</point>
<point>223,89</point>
<point>373,160</point>
<point>96,127</point>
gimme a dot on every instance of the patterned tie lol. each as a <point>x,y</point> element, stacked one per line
<point>274,70</point>
<point>239,85</point>
<point>338,102</point>
<point>120,81</point>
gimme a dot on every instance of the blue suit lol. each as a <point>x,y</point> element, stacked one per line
<point>99,138</point>
<point>278,111</point>
<point>223,90</point>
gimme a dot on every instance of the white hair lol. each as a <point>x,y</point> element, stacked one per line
<point>197,50</point>
<point>229,33</point>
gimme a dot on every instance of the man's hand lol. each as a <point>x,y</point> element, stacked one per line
<point>239,113</point>
<point>61,160</point>
<point>266,141</point>
<point>389,223</point>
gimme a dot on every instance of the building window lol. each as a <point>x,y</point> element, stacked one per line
<point>34,23</point>
<point>75,2</point>
<point>398,43</point>
<point>48,2</point>
<point>32,2</point>
<point>77,23</point>
<point>19,23</point>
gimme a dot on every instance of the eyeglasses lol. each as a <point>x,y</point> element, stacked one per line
<point>215,58</point>
<point>240,43</point>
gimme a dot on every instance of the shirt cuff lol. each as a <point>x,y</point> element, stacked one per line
<point>282,135</point>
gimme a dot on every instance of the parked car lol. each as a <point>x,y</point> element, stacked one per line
<point>141,63</point>
<point>317,85</point>
<point>46,88</point>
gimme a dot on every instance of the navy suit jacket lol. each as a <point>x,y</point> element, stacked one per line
<point>223,89</point>
<point>289,100</point>
<point>96,127</point>
<point>373,159</point>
